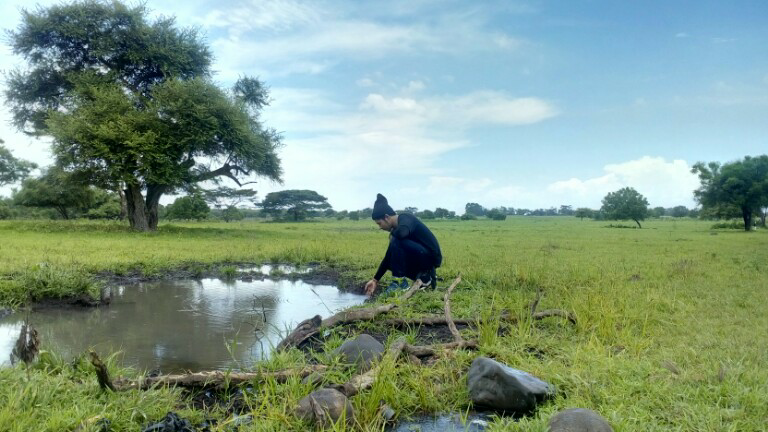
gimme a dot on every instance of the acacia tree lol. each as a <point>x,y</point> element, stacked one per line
<point>296,203</point>
<point>625,203</point>
<point>130,104</point>
<point>741,184</point>
<point>57,190</point>
<point>583,212</point>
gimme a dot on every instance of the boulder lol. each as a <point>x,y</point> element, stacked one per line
<point>361,351</point>
<point>499,387</point>
<point>578,420</point>
<point>325,406</point>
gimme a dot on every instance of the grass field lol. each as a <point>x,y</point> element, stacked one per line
<point>672,329</point>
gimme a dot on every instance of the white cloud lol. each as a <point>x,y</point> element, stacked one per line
<point>663,183</point>
<point>682,35</point>
<point>385,135</point>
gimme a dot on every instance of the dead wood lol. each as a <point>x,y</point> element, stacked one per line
<point>431,350</point>
<point>102,374</point>
<point>213,379</point>
<point>439,320</point>
<point>447,300</point>
<point>27,344</point>
<point>312,326</point>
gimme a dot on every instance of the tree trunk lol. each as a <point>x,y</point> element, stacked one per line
<point>137,210</point>
<point>638,223</point>
<point>154,192</point>
<point>762,216</point>
<point>63,212</point>
<point>746,213</point>
<point>123,204</point>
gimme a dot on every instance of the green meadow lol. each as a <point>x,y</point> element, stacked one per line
<point>671,333</point>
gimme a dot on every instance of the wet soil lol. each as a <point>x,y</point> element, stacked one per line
<point>427,335</point>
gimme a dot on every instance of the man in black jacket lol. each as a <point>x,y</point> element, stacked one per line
<point>413,250</point>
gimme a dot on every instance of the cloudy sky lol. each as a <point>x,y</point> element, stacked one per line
<point>523,104</point>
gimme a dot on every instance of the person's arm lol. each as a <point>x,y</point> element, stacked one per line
<point>382,267</point>
<point>373,284</point>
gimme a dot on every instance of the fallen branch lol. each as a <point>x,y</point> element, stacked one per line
<point>217,379</point>
<point>435,320</point>
<point>447,299</point>
<point>308,328</point>
<point>431,350</point>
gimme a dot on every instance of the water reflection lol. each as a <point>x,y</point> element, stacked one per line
<point>183,325</point>
<point>474,422</point>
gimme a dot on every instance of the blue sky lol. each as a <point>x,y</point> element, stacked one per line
<point>522,104</point>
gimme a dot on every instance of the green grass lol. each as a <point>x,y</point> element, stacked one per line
<point>671,331</point>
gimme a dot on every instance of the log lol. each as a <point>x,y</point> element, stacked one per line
<point>215,379</point>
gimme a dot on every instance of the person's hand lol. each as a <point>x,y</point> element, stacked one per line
<point>370,287</point>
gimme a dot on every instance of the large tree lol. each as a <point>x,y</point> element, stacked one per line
<point>188,207</point>
<point>296,203</point>
<point>130,103</point>
<point>58,190</point>
<point>625,203</point>
<point>741,184</point>
<point>11,168</point>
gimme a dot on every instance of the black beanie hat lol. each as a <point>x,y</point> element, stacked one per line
<point>381,208</point>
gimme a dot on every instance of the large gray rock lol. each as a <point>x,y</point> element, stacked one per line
<point>325,406</point>
<point>361,351</point>
<point>578,420</point>
<point>499,387</point>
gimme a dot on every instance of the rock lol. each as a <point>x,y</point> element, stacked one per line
<point>499,387</point>
<point>578,420</point>
<point>361,351</point>
<point>325,406</point>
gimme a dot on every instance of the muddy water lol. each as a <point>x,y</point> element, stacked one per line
<point>182,325</point>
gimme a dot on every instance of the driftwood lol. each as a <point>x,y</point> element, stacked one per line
<point>447,300</point>
<point>308,328</point>
<point>216,379</point>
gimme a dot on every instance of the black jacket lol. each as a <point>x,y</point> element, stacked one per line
<point>411,228</point>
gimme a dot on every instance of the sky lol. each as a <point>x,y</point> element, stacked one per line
<point>529,104</point>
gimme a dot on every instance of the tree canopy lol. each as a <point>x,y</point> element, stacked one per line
<point>11,168</point>
<point>188,207</point>
<point>625,203</point>
<point>56,189</point>
<point>130,103</point>
<point>295,203</point>
<point>741,184</point>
